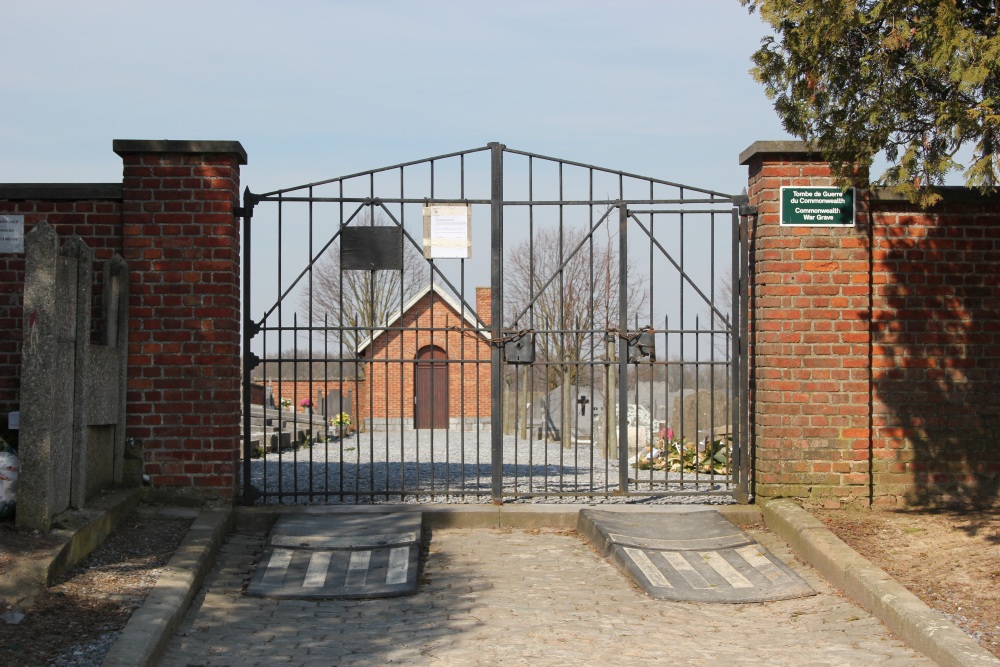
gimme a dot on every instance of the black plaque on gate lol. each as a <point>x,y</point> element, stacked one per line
<point>371,248</point>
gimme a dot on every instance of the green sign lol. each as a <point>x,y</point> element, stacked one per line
<point>817,206</point>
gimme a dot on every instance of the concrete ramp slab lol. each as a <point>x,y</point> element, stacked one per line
<point>691,557</point>
<point>335,557</point>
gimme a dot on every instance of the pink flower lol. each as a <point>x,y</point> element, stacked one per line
<point>306,403</point>
<point>670,434</point>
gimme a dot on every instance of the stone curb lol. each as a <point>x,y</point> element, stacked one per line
<point>563,515</point>
<point>79,532</point>
<point>921,627</point>
<point>153,624</point>
<point>86,529</point>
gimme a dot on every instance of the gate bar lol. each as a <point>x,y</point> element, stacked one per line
<point>622,350</point>
<point>249,493</point>
<point>496,314</point>
<point>371,172</point>
<point>620,174</point>
<point>744,491</point>
<point>511,202</point>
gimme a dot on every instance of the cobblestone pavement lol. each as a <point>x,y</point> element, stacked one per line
<point>539,598</point>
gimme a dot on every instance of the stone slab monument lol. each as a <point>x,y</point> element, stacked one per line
<point>72,435</point>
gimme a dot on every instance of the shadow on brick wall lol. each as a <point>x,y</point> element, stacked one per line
<point>936,356</point>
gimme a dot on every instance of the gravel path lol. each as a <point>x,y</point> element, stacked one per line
<point>454,466</point>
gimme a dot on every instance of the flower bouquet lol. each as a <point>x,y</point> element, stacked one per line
<point>341,424</point>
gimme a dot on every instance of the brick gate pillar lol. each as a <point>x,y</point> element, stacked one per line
<point>181,241</point>
<point>810,348</point>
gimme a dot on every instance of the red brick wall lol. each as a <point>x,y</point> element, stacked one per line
<point>874,349</point>
<point>91,211</point>
<point>389,381</point>
<point>298,390</point>
<point>936,350</point>
<point>183,249</point>
<point>484,305</point>
<point>810,344</point>
<point>172,219</point>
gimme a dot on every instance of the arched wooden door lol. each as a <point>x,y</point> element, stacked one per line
<point>430,397</point>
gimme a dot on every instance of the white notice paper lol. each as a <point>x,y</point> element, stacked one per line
<point>11,233</point>
<point>446,231</point>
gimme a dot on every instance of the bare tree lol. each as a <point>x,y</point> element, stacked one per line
<point>354,303</point>
<point>570,297</point>
<point>564,284</point>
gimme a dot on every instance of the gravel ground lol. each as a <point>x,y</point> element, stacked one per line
<point>454,466</point>
<point>950,559</point>
<point>76,621</point>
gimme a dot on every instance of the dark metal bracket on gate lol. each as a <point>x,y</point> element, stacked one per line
<point>641,346</point>
<point>249,201</point>
<point>252,361</point>
<point>742,202</point>
<point>519,347</point>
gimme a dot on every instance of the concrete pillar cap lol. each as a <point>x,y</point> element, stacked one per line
<point>132,146</point>
<point>789,147</point>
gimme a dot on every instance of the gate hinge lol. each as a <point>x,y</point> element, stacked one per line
<point>251,495</point>
<point>249,201</point>
<point>742,202</point>
<point>252,361</point>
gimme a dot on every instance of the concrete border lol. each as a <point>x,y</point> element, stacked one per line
<point>921,627</point>
<point>563,515</point>
<point>153,624</point>
<point>84,530</point>
<point>74,535</point>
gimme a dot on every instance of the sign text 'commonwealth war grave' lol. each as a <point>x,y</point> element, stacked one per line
<point>817,206</point>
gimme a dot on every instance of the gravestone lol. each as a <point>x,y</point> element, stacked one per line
<point>72,430</point>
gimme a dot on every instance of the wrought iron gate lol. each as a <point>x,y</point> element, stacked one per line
<point>505,325</point>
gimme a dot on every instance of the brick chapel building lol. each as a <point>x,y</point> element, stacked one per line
<point>430,366</point>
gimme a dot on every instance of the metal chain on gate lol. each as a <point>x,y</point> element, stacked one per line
<point>514,335</point>
<point>615,331</point>
<point>494,342</point>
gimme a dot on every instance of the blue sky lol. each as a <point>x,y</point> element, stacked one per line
<point>317,89</point>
